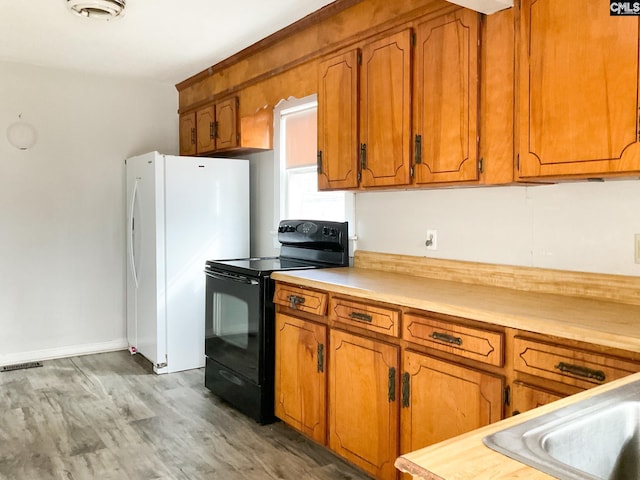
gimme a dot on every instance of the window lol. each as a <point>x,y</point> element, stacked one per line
<point>296,169</point>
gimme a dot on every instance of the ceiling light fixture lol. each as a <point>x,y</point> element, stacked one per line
<point>100,9</point>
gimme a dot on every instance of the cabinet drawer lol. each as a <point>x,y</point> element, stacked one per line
<point>372,317</point>
<point>473,343</point>
<point>568,365</point>
<point>299,298</point>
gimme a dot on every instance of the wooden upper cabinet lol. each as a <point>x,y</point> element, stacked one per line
<point>188,134</point>
<point>385,111</point>
<point>578,106</point>
<point>446,94</point>
<point>338,122</point>
<point>205,133</point>
<point>216,127</point>
<point>226,131</point>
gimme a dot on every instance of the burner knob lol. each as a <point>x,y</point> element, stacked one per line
<point>333,232</point>
<point>325,230</point>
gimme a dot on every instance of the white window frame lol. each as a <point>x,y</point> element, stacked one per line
<point>285,107</point>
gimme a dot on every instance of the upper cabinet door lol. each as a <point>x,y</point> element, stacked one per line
<point>188,134</point>
<point>226,124</point>
<point>578,103</point>
<point>338,122</point>
<point>446,98</point>
<point>385,111</point>
<point>205,120</point>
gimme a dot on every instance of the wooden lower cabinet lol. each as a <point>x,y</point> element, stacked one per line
<point>526,397</point>
<point>363,402</point>
<point>441,400</point>
<point>300,379</point>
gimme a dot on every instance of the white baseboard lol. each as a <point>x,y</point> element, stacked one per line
<point>62,352</point>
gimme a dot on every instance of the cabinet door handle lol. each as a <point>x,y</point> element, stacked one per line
<point>406,390</point>
<point>581,371</point>
<point>365,317</point>
<point>216,127</point>
<point>363,156</point>
<point>319,162</point>
<point>418,150</point>
<point>193,136</point>
<point>295,300</point>
<point>392,384</point>
<point>211,134</point>
<point>444,337</point>
<point>320,358</point>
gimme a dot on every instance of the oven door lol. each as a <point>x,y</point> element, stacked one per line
<point>232,322</point>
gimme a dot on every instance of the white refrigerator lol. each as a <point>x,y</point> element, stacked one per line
<point>181,211</point>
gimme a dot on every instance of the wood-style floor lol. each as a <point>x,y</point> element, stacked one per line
<point>107,416</point>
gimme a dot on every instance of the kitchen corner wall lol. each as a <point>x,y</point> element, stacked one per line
<point>62,238</point>
<point>582,226</point>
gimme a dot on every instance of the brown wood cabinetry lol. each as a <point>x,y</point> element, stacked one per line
<point>302,299</point>
<point>525,397</point>
<point>300,360</point>
<point>579,90</point>
<point>338,86</point>
<point>363,402</point>
<point>446,98</point>
<point>216,128</point>
<point>441,400</point>
<point>300,378</point>
<point>385,111</point>
<point>443,105</point>
<point>188,134</point>
<point>547,371</point>
<point>476,344</point>
<point>374,318</point>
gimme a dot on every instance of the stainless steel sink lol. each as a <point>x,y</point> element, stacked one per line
<point>596,438</point>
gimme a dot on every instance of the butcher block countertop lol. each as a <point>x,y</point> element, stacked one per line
<point>588,319</point>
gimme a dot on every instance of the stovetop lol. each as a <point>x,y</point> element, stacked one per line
<point>259,265</point>
<point>304,244</point>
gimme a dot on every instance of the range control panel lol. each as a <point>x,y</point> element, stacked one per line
<point>292,232</point>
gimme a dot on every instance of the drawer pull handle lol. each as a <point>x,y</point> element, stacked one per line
<point>581,371</point>
<point>443,337</point>
<point>365,317</point>
<point>295,300</point>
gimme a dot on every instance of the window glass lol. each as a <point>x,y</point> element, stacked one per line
<point>295,150</point>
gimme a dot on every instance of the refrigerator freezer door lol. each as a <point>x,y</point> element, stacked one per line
<point>146,312</point>
<point>207,217</point>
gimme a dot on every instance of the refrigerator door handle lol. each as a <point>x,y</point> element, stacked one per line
<point>132,256</point>
<point>235,278</point>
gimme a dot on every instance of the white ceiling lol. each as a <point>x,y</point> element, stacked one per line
<point>162,40</point>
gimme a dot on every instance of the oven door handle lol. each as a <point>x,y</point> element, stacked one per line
<point>232,277</point>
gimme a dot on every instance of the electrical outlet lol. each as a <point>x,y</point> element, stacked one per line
<point>637,247</point>
<point>432,240</point>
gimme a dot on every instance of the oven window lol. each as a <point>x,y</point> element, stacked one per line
<point>231,320</point>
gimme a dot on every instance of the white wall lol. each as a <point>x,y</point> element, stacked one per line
<point>582,226</point>
<point>574,226</point>
<point>62,242</point>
